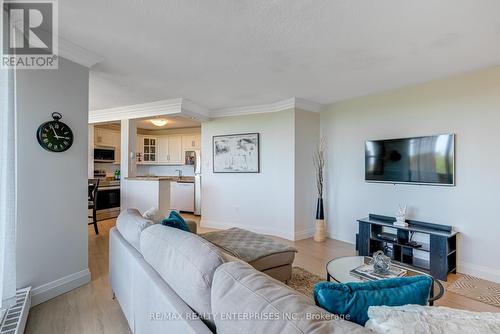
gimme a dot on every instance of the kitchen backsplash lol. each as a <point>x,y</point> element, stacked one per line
<point>164,170</point>
<point>108,167</point>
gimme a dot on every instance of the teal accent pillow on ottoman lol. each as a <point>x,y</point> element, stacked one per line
<point>175,220</point>
<point>353,299</point>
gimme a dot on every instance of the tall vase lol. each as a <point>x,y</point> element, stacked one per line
<point>320,232</point>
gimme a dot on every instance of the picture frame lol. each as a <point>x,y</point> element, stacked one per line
<point>236,153</point>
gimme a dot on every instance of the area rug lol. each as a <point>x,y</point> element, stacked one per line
<point>303,281</point>
<point>478,289</point>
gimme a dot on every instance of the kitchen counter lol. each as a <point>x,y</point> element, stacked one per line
<point>186,179</point>
<point>106,184</point>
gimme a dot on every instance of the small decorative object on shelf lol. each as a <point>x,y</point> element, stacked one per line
<point>401,217</point>
<point>381,262</point>
<point>319,165</point>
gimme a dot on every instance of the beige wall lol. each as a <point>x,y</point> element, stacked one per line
<point>467,105</point>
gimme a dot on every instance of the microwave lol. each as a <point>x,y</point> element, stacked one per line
<point>104,154</point>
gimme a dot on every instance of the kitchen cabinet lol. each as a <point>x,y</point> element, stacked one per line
<point>165,149</point>
<point>149,149</point>
<point>175,150</point>
<point>138,149</point>
<point>170,150</point>
<point>105,137</point>
<point>191,142</point>
<point>108,138</point>
<point>182,196</point>
<point>117,145</point>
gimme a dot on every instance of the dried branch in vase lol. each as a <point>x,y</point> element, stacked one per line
<point>319,165</point>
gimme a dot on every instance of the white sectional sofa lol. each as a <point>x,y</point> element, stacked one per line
<point>166,280</point>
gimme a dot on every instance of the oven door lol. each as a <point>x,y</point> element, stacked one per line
<point>108,198</point>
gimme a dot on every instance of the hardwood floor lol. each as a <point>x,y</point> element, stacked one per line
<point>90,309</point>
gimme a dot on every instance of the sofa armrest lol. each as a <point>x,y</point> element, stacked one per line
<point>193,227</point>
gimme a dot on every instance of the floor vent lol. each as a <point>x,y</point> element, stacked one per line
<point>15,318</point>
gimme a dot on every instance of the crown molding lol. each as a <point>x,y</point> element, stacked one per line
<point>189,109</point>
<point>158,108</point>
<point>194,111</point>
<point>308,105</point>
<point>291,103</point>
<point>255,109</point>
<point>77,54</point>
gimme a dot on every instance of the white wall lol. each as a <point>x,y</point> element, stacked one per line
<point>281,199</point>
<point>307,128</point>
<point>467,105</point>
<point>260,202</point>
<point>52,187</point>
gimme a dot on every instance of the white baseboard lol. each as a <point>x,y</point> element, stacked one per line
<point>304,234</point>
<point>483,272</point>
<point>62,285</point>
<point>257,229</point>
<point>342,238</point>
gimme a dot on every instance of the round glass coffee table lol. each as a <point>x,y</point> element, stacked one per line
<point>339,269</point>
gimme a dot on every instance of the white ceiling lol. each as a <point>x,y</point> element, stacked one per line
<point>227,53</point>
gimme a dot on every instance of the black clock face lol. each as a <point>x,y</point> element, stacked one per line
<point>55,136</point>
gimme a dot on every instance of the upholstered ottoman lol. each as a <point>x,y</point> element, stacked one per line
<point>261,252</point>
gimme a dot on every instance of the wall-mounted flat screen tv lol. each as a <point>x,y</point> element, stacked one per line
<point>420,160</point>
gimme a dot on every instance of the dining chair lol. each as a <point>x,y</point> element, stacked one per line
<point>92,202</point>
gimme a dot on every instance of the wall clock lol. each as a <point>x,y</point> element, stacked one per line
<point>55,136</point>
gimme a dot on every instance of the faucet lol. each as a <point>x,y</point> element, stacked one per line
<point>180,173</point>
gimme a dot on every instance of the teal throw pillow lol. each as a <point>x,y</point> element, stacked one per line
<point>175,220</point>
<point>352,300</point>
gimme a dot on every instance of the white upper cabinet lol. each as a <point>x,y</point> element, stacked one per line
<point>163,150</point>
<point>117,145</point>
<point>149,150</point>
<point>170,150</point>
<point>108,138</point>
<point>166,149</point>
<point>175,151</point>
<point>104,137</point>
<point>191,142</point>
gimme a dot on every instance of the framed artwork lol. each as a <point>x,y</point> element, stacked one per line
<point>237,153</point>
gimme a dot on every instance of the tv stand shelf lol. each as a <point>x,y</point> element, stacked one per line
<point>442,246</point>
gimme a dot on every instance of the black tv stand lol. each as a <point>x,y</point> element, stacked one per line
<point>442,246</point>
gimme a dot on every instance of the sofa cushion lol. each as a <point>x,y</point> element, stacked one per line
<point>353,299</point>
<point>245,300</point>
<point>260,251</point>
<point>130,224</point>
<point>273,261</point>
<point>249,246</point>
<point>185,261</point>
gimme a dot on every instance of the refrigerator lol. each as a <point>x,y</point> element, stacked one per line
<point>197,183</point>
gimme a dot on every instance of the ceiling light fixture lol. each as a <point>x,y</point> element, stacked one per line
<point>159,122</point>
